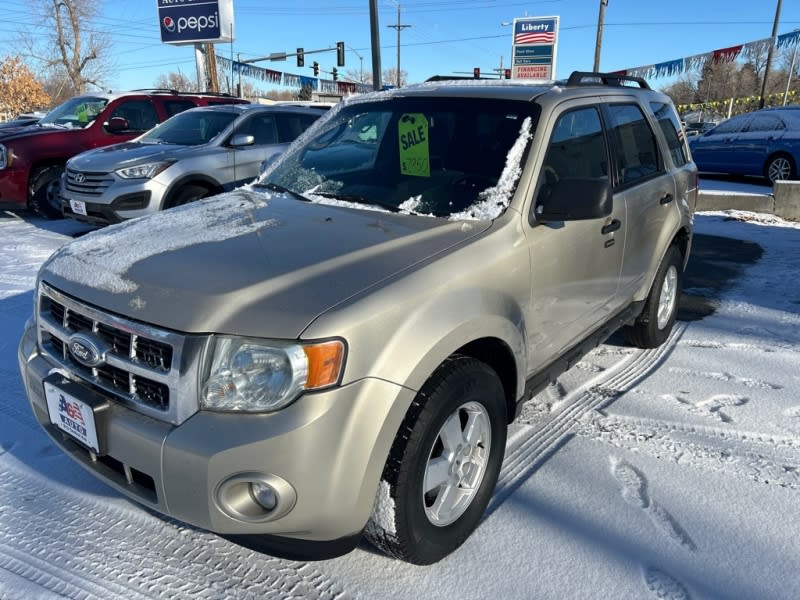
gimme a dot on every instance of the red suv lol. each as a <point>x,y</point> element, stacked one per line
<point>32,157</point>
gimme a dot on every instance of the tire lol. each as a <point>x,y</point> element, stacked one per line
<point>187,194</point>
<point>653,326</point>
<point>46,192</point>
<point>779,168</point>
<point>438,480</point>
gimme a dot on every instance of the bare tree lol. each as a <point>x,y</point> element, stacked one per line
<point>177,81</point>
<point>66,45</point>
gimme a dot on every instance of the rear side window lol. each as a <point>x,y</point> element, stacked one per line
<point>765,123</point>
<point>635,149</point>
<point>673,132</point>
<point>173,107</point>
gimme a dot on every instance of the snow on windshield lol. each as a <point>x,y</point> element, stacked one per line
<point>493,201</point>
<point>101,258</point>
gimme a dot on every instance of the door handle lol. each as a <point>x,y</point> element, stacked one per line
<point>613,226</point>
<point>666,199</point>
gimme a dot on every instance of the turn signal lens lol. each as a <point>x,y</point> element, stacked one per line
<point>325,361</point>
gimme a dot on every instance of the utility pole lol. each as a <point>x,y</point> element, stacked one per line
<point>375,38</point>
<point>399,28</point>
<point>769,53</point>
<point>601,19</point>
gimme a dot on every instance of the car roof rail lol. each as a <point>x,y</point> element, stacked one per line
<point>157,90</point>
<point>578,78</point>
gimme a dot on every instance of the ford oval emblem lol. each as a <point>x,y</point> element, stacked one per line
<point>87,350</point>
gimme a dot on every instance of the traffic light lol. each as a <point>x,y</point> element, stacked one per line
<point>339,54</point>
<point>476,73</point>
<point>335,74</point>
<point>507,73</point>
<point>315,66</point>
<point>301,59</point>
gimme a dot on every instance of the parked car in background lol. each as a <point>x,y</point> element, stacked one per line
<point>32,158</point>
<point>198,153</point>
<point>23,120</point>
<point>764,143</point>
<point>699,128</point>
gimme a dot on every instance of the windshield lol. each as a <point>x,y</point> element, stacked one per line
<point>431,156</point>
<point>190,128</point>
<point>76,113</point>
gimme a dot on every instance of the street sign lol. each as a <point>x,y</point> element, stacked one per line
<point>534,48</point>
<point>195,21</point>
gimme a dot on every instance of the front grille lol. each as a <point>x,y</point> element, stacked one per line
<point>88,184</point>
<point>142,364</point>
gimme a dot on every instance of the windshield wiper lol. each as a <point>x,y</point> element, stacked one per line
<point>356,199</point>
<point>282,190</point>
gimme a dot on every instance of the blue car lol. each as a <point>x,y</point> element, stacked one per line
<point>764,143</point>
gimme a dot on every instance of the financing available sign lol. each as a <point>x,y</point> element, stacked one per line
<point>534,48</point>
<point>195,21</point>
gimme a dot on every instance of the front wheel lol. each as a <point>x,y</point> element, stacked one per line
<point>46,192</point>
<point>443,465</point>
<point>187,194</point>
<point>653,326</point>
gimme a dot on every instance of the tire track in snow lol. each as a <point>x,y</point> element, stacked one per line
<point>526,452</point>
<point>764,458</point>
<point>149,557</point>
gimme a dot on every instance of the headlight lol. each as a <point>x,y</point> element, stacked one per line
<point>146,171</point>
<point>256,375</point>
<point>3,157</point>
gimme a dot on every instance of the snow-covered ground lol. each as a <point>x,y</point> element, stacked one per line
<point>671,473</point>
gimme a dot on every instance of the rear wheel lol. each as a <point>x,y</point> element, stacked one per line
<point>653,326</point>
<point>46,192</point>
<point>443,465</point>
<point>779,168</point>
<point>187,194</point>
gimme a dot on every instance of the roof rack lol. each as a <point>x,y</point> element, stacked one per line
<point>578,78</point>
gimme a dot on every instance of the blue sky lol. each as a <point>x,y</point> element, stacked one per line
<point>444,37</point>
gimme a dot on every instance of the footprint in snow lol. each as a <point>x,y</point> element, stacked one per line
<point>664,586</point>
<point>634,491</point>
<point>710,407</point>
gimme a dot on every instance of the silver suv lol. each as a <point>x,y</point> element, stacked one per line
<point>197,153</point>
<point>337,350</point>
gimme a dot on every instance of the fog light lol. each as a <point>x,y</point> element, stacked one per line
<point>255,497</point>
<point>264,495</point>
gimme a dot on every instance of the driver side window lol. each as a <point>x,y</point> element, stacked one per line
<point>577,150</point>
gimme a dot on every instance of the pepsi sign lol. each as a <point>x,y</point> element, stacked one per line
<point>195,21</point>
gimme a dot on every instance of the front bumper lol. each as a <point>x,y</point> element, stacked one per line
<point>329,449</point>
<point>121,200</point>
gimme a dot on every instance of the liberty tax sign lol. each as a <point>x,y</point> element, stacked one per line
<point>195,21</point>
<point>534,48</point>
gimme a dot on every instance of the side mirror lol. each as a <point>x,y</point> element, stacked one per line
<point>117,124</point>
<point>241,139</point>
<point>574,200</point>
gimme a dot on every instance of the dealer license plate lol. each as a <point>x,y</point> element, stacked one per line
<point>71,416</point>
<point>78,207</point>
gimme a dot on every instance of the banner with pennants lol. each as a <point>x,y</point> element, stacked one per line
<point>327,86</point>
<point>674,67</point>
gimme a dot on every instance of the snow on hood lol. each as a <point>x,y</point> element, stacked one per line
<point>97,260</point>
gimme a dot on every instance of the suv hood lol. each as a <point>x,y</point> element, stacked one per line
<point>127,154</point>
<point>8,134</point>
<point>246,263</point>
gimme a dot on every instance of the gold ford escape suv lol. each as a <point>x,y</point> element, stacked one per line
<point>336,350</point>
